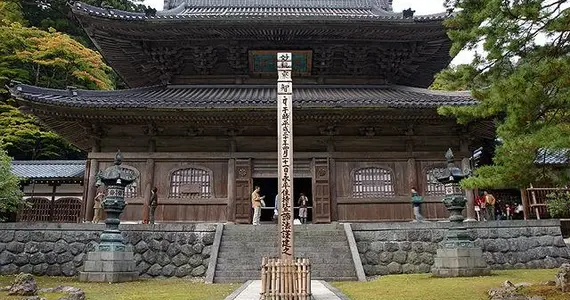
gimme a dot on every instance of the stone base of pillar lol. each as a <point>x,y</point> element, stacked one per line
<point>107,266</point>
<point>460,262</point>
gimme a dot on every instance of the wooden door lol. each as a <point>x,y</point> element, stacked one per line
<point>243,191</point>
<point>321,191</point>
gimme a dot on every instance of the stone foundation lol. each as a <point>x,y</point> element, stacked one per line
<point>181,250</point>
<point>393,248</point>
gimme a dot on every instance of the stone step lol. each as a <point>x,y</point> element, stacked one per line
<point>253,273</point>
<point>316,259</point>
<point>336,245</point>
<point>242,279</point>
<point>316,268</point>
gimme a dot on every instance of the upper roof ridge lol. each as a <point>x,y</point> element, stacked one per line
<point>362,4</point>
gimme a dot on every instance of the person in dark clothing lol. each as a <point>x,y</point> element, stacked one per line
<point>417,201</point>
<point>153,203</point>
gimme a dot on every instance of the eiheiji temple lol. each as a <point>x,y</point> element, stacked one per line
<point>199,120</point>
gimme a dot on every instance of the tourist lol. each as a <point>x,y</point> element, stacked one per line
<point>417,201</point>
<point>489,205</point>
<point>98,205</point>
<point>276,209</point>
<point>303,202</point>
<point>153,203</point>
<point>256,204</point>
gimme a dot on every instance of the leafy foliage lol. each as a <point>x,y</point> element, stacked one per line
<point>10,193</point>
<point>45,58</point>
<point>46,14</point>
<point>558,204</point>
<point>455,78</point>
<point>522,84</point>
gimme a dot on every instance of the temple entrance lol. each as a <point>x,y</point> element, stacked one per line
<point>269,190</point>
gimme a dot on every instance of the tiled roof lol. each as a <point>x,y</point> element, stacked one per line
<point>268,9</point>
<point>238,96</point>
<point>49,169</point>
<point>552,157</point>
<point>382,4</point>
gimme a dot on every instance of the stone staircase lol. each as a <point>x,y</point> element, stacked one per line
<point>243,246</point>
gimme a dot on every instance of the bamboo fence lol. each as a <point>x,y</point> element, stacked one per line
<point>285,279</point>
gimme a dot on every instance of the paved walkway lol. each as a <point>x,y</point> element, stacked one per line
<point>320,290</point>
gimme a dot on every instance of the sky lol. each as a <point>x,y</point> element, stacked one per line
<point>422,7</point>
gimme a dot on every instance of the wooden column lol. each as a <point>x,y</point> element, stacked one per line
<point>231,190</point>
<point>149,181</point>
<point>91,189</point>
<point>412,174</point>
<point>52,202</point>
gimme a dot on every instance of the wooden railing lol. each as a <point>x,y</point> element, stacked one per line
<point>534,201</point>
<point>285,279</point>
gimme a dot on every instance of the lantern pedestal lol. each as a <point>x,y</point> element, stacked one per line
<point>457,256</point>
<point>109,266</point>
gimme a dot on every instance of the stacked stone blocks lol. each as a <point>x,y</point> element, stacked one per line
<point>394,248</point>
<point>162,250</point>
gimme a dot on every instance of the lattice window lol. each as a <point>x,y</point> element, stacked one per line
<point>372,182</point>
<point>434,187</point>
<point>190,183</point>
<point>132,190</point>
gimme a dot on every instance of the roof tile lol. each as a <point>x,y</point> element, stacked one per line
<point>48,169</point>
<point>230,97</point>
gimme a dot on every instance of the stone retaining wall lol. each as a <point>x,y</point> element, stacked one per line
<point>392,248</point>
<point>181,250</point>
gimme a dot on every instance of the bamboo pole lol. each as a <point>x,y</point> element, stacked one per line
<point>263,277</point>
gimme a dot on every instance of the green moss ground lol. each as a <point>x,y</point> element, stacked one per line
<point>149,289</point>
<point>426,287</point>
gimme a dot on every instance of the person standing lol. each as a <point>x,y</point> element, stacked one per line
<point>303,202</point>
<point>256,205</point>
<point>276,209</point>
<point>98,205</point>
<point>417,201</point>
<point>153,203</point>
<point>489,205</point>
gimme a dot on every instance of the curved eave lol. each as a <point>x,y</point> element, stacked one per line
<point>177,15</point>
<point>238,97</point>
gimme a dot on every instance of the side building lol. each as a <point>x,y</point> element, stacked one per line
<point>200,121</point>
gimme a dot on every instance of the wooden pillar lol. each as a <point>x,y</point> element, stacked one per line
<point>91,189</point>
<point>231,190</point>
<point>412,174</point>
<point>52,202</point>
<point>149,181</point>
<point>471,216</point>
<point>525,203</point>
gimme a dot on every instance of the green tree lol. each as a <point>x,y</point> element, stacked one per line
<point>527,84</point>
<point>10,193</point>
<point>49,59</point>
<point>46,14</point>
<point>455,78</point>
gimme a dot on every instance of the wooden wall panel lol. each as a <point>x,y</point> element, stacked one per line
<point>179,212</point>
<point>219,175</point>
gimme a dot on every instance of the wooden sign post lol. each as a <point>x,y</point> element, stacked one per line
<point>285,153</point>
<point>285,277</point>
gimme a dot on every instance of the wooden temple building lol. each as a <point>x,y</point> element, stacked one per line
<point>199,119</point>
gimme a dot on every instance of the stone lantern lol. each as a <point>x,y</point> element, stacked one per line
<point>454,199</point>
<point>457,256</point>
<point>115,179</point>
<point>112,260</point>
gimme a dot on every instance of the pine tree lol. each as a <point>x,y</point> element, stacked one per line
<point>522,81</point>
